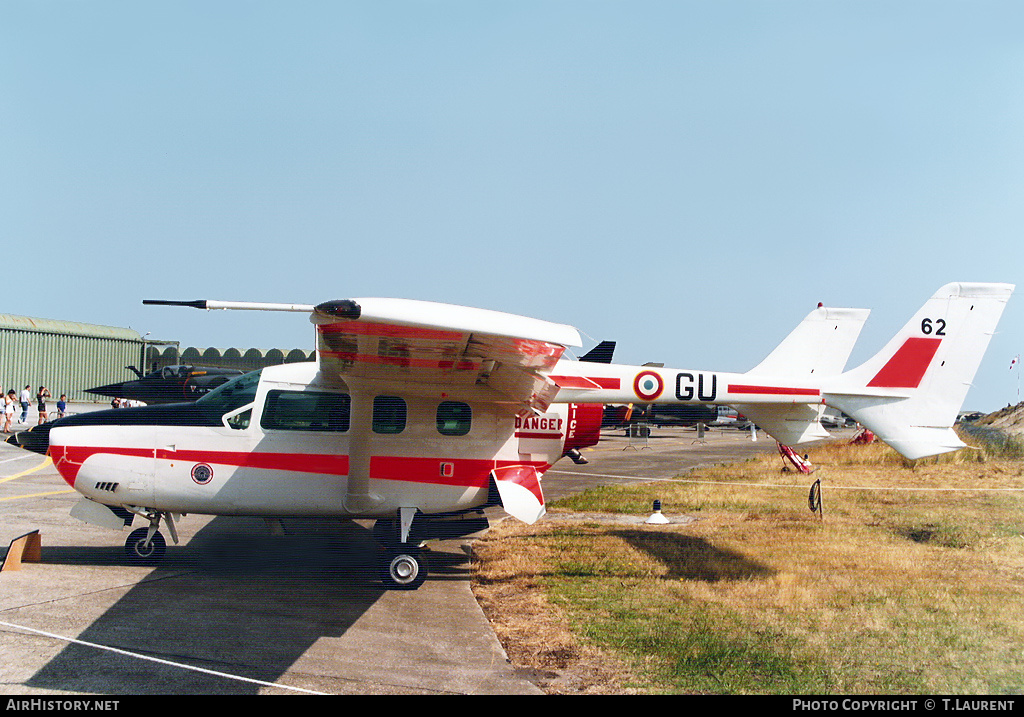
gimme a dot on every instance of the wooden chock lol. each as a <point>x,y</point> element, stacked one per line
<point>26,548</point>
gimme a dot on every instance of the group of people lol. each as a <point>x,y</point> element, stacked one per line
<point>126,403</point>
<point>12,399</point>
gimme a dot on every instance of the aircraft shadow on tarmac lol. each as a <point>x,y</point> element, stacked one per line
<point>231,599</point>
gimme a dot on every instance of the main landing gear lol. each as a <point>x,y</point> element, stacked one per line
<point>403,568</point>
<point>401,565</point>
<point>146,546</point>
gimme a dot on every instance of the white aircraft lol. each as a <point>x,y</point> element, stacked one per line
<point>421,415</point>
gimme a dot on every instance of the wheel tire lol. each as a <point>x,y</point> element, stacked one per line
<point>403,569</point>
<point>138,554</point>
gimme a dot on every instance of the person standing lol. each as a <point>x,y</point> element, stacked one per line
<point>9,400</point>
<point>62,406</point>
<point>41,397</point>
<point>26,398</point>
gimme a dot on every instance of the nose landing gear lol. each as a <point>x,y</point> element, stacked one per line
<point>146,546</point>
<point>143,549</point>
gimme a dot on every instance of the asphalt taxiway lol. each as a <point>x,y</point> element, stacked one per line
<point>236,610</point>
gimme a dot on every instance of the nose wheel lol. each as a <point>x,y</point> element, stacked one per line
<point>141,548</point>
<point>146,546</point>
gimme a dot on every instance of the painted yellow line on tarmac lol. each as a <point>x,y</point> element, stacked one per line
<point>47,462</point>
<point>37,495</point>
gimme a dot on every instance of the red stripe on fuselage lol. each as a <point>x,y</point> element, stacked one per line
<point>466,472</point>
<point>574,382</point>
<point>773,390</point>
<point>69,459</point>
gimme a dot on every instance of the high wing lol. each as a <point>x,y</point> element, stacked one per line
<point>432,344</point>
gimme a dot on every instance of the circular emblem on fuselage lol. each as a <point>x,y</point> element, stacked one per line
<point>647,385</point>
<point>202,473</point>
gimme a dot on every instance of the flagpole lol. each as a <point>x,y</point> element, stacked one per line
<point>1015,364</point>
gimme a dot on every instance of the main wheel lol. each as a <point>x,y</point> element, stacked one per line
<point>403,568</point>
<point>138,553</point>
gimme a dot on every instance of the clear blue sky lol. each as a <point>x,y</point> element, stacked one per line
<point>688,178</point>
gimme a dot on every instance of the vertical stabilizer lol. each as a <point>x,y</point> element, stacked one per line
<point>819,346</point>
<point>910,392</point>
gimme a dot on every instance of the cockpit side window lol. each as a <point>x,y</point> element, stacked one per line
<point>306,411</point>
<point>234,394</point>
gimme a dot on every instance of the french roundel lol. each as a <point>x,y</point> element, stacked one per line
<point>647,385</point>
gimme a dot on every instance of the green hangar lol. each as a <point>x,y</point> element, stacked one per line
<point>69,357</point>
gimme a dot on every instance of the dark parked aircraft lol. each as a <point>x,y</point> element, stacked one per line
<point>171,384</point>
<point>658,414</point>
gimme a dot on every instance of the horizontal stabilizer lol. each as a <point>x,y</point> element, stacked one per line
<point>789,424</point>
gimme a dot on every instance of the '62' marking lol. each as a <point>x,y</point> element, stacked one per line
<point>938,327</point>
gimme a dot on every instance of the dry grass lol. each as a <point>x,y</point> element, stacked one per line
<point>904,586</point>
<point>534,631</point>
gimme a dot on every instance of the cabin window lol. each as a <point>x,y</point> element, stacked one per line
<point>306,411</point>
<point>389,413</point>
<point>454,418</point>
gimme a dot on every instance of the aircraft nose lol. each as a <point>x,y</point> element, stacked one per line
<point>110,390</point>
<point>35,439</point>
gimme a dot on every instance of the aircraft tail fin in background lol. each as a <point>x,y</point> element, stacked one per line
<point>910,392</point>
<point>818,346</point>
<point>602,353</point>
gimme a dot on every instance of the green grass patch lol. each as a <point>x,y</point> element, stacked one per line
<point>896,591</point>
<point>679,648</point>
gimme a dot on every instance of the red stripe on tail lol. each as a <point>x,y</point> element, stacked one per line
<point>908,365</point>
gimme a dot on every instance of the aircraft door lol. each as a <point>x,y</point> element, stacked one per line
<point>541,436</point>
<point>307,432</point>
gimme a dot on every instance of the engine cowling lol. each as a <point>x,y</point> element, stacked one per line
<point>584,426</point>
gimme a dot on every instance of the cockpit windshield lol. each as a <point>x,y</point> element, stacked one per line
<point>234,394</point>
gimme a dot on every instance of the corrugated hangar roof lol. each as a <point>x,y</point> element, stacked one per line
<point>71,328</point>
